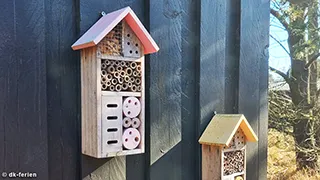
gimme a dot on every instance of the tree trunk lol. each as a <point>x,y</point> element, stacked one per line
<point>300,88</point>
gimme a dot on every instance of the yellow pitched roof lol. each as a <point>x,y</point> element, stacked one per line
<point>223,127</point>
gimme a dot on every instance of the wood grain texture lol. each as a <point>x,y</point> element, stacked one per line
<point>253,74</point>
<point>190,33</point>
<point>90,119</point>
<point>211,162</point>
<point>63,88</point>
<point>212,59</point>
<point>23,91</point>
<point>165,90</point>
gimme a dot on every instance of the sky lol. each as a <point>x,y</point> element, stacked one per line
<point>278,57</point>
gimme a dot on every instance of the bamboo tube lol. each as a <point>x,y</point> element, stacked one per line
<point>124,86</point>
<point>139,75</point>
<point>139,88</point>
<point>104,80</point>
<point>133,88</point>
<point>120,80</point>
<point>110,69</point>
<point>127,64</point>
<point>104,65</point>
<point>129,71</point>
<point>103,72</point>
<point>118,87</point>
<point>123,64</point>
<point>116,74</point>
<point>132,79</point>
<point>122,73</point>
<point>138,68</point>
<point>109,77</point>
<point>127,79</point>
<point>107,62</point>
<point>135,73</point>
<point>104,86</point>
<point>137,81</point>
<point>108,83</point>
<point>116,63</point>
<point>114,81</point>
<point>129,84</point>
<point>126,122</point>
<point>133,65</point>
<point>119,68</point>
<point>112,63</point>
<point>111,88</point>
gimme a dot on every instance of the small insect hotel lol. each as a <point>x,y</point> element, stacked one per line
<point>112,84</point>
<point>224,147</point>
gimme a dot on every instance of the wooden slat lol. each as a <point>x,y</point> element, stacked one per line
<point>165,90</point>
<point>253,74</point>
<point>63,88</point>
<point>91,124</point>
<point>211,162</point>
<point>190,32</point>
<point>23,118</point>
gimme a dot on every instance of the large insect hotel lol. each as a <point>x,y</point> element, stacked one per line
<point>224,147</point>
<point>112,84</point>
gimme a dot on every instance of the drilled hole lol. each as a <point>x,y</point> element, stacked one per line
<point>128,43</point>
<point>136,52</point>
<point>130,132</point>
<point>128,35</point>
<point>112,105</point>
<point>112,142</point>
<point>136,139</point>
<point>130,52</point>
<point>112,130</point>
<point>137,45</point>
<point>112,117</point>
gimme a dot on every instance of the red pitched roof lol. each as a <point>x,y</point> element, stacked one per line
<point>106,23</point>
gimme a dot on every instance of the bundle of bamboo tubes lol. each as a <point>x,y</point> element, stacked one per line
<point>120,75</point>
<point>233,162</point>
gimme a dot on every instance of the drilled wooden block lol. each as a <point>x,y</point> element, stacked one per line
<point>238,141</point>
<point>132,46</point>
<point>111,109</point>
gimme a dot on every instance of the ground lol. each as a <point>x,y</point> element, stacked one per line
<point>281,159</point>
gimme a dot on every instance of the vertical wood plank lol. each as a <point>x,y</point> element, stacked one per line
<point>190,33</point>
<point>212,62</point>
<point>212,59</point>
<point>165,90</point>
<point>63,88</point>
<point>9,139</point>
<point>254,74</point>
<point>23,76</point>
<point>211,162</point>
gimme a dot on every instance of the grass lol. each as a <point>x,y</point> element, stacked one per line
<point>281,159</point>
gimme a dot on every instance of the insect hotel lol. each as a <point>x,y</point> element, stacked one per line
<point>112,84</point>
<point>224,147</point>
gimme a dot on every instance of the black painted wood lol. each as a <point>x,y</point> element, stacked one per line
<point>23,109</point>
<point>213,57</point>
<point>253,80</point>
<point>165,90</point>
<point>63,88</point>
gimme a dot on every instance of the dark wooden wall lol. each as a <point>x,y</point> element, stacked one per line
<point>213,57</point>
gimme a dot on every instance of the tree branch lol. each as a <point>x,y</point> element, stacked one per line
<point>282,74</point>
<point>312,59</point>
<point>281,45</point>
<point>280,18</point>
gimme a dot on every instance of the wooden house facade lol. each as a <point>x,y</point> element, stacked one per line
<point>213,57</point>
